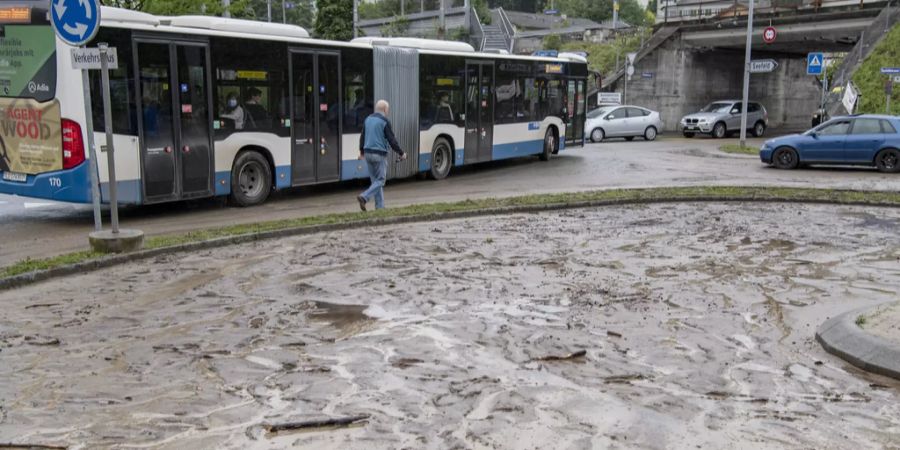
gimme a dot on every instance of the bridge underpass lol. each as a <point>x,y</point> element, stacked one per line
<point>697,64</point>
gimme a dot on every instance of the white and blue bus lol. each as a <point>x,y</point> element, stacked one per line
<point>208,106</point>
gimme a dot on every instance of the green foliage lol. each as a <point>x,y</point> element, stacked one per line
<point>484,13</point>
<point>397,27</point>
<point>630,11</point>
<point>737,149</point>
<point>651,6</point>
<point>860,320</point>
<point>183,7</point>
<point>870,81</point>
<point>530,6</point>
<point>552,42</point>
<point>459,34</point>
<point>334,20</point>
<point>389,8</point>
<point>602,56</point>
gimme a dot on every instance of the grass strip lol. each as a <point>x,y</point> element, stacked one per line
<point>737,149</point>
<point>433,209</point>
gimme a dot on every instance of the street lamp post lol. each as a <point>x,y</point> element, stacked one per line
<point>747,75</point>
<point>355,19</point>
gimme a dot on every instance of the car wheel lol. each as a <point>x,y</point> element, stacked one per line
<point>888,161</point>
<point>688,134</point>
<point>441,161</point>
<point>785,158</point>
<point>759,129</point>
<point>650,134</point>
<point>719,130</point>
<point>597,135</point>
<point>629,138</point>
<point>549,145</point>
<point>251,179</point>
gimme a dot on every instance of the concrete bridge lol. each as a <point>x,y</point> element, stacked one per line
<point>688,64</point>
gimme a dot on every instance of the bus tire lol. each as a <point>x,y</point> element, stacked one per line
<point>441,159</point>
<point>251,179</point>
<point>549,145</point>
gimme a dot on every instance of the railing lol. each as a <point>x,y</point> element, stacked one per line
<point>698,11</point>
<point>508,29</point>
<point>480,28</point>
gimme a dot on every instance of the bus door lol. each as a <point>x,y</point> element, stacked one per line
<point>479,111</point>
<point>173,89</point>
<point>315,117</point>
<point>576,112</point>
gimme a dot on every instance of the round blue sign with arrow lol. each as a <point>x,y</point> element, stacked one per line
<point>76,21</point>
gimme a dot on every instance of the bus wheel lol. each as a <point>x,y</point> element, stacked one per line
<point>441,161</point>
<point>549,145</point>
<point>251,179</point>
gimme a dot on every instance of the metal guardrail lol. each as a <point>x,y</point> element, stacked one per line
<point>699,11</point>
<point>508,29</point>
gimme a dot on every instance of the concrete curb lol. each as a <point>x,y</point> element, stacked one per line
<point>841,337</point>
<point>109,261</point>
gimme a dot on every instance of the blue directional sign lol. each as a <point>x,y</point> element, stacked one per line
<point>890,70</point>
<point>815,63</point>
<point>76,21</point>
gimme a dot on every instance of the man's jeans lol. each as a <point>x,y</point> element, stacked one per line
<point>377,164</point>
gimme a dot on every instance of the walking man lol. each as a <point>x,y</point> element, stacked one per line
<point>377,135</point>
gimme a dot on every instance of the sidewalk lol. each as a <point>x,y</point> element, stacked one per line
<point>868,338</point>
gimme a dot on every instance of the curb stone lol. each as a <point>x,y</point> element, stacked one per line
<point>841,337</point>
<point>28,278</point>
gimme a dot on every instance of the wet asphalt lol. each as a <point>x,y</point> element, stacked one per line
<point>35,228</point>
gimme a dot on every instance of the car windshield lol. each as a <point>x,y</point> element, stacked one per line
<point>717,108</point>
<point>598,112</point>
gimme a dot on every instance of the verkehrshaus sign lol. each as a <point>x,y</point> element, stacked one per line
<point>89,58</point>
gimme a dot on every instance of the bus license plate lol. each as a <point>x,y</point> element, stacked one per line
<point>15,176</point>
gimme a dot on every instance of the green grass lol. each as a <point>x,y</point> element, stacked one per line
<point>616,195</point>
<point>860,320</point>
<point>869,79</point>
<point>736,148</point>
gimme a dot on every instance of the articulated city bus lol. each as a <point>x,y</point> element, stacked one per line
<point>207,106</point>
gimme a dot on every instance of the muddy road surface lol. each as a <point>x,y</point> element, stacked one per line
<point>661,326</point>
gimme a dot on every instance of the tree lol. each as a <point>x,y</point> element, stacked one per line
<point>334,20</point>
<point>552,42</point>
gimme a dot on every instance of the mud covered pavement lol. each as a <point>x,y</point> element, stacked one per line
<point>648,326</point>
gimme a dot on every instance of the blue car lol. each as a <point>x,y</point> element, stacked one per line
<point>865,140</point>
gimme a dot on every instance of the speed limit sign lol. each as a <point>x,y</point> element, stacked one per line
<point>769,35</point>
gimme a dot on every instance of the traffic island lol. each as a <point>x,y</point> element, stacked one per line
<point>845,336</point>
<point>125,241</point>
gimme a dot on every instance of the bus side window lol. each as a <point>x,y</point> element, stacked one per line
<point>247,75</point>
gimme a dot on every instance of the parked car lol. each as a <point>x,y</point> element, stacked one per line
<point>868,140</point>
<point>622,121</point>
<point>723,117</point>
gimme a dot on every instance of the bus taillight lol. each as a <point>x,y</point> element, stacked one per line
<point>72,144</point>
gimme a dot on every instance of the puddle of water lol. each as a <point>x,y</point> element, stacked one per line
<point>347,319</point>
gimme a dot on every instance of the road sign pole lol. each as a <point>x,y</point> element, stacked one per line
<point>747,75</point>
<point>92,150</point>
<point>110,148</point>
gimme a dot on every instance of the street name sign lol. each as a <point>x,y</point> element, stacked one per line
<point>763,65</point>
<point>75,21</point>
<point>89,58</point>
<point>815,63</point>
<point>890,70</point>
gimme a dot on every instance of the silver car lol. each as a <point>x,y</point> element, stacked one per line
<point>723,117</point>
<point>622,121</point>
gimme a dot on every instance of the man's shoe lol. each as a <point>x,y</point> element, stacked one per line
<point>362,202</point>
